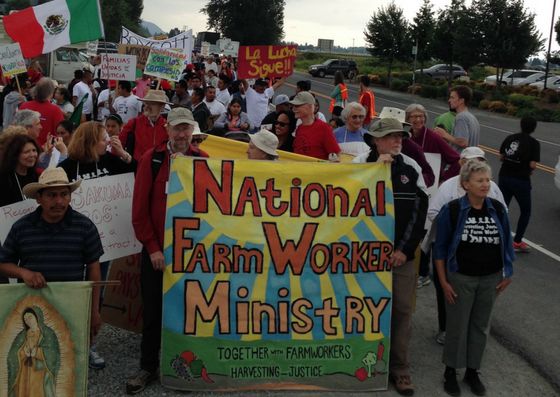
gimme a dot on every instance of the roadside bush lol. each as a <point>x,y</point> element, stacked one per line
<point>498,95</point>
<point>484,104</point>
<point>528,90</point>
<point>399,85</point>
<point>429,91</point>
<point>538,113</point>
<point>497,106</point>
<point>383,79</point>
<point>555,116</point>
<point>550,96</point>
<point>415,89</point>
<point>511,109</point>
<point>522,101</point>
<point>374,79</point>
<point>477,73</point>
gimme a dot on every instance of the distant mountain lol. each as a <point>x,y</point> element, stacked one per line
<point>151,27</point>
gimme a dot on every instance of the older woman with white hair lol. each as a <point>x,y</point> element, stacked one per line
<point>473,255</point>
<point>430,142</point>
<point>350,137</point>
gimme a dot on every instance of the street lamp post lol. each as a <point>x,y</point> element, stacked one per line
<point>549,44</point>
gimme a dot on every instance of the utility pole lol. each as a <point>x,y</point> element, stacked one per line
<point>549,44</point>
<point>353,47</point>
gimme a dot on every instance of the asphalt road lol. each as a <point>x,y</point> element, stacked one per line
<point>527,317</point>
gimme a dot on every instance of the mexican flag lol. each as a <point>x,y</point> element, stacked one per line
<point>54,24</point>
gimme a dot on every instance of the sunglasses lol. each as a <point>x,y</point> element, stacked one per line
<point>281,124</point>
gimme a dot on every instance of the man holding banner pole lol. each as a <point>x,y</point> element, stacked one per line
<point>411,204</point>
<point>148,219</point>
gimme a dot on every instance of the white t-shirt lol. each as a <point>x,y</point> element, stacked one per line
<point>216,107</point>
<point>257,105</point>
<point>103,111</point>
<point>223,96</point>
<point>79,90</point>
<point>127,107</point>
<point>211,66</point>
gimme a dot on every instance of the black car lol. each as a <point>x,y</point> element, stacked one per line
<point>331,66</point>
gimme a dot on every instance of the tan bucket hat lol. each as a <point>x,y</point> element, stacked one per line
<point>156,96</point>
<point>51,177</point>
<point>265,141</point>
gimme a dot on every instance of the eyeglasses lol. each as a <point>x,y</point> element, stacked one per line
<point>281,124</point>
<point>358,116</point>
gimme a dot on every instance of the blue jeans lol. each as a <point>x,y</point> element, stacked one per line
<point>521,190</point>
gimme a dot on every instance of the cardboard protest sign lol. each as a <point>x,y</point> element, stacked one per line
<point>277,276</point>
<point>118,67</point>
<point>184,41</point>
<point>10,213</point>
<point>91,49</point>
<point>45,340</point>
<point>140,51</point>
<point>165,64</point>
<point>11,60</point>
<point>106,201</point>
<point>122,304</point>
<point>266,61</point>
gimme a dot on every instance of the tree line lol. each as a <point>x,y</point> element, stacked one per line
<point>501,33</point>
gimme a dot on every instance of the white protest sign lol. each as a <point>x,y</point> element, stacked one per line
<point>434,159</point>
<point>10,213</point>
<point>92,48</point>
<point>205,48</point>
<point>106,201</point>
<point>228,47</point>
<point>185,41</point>
<point>11,60</point>
<point>118,67</point>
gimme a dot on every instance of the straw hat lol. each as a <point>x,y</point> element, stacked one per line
<point>265,141</point>
<point>51,177</point>
<point>156,96</point>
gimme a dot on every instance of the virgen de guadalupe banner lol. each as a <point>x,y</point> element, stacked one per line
<point>45,339</point>
<point>277,276</point>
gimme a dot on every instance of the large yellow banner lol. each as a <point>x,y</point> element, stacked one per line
<point>277,275</point>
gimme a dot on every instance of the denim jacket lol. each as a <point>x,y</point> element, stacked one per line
<point>447,240</point>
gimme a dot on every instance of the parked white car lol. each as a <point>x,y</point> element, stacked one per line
<point>515,77</point>
<point>553,83</point>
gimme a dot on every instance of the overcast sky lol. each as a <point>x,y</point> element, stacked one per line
<point>309,20</point>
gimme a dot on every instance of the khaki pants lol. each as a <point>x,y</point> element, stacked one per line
<point>404,289</point>
<point>468,319</point>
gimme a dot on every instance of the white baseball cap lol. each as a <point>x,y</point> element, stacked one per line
<point>472,152</point>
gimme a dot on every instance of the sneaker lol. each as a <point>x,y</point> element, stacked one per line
<point>474,382</point>
<point>403,384</point>
<point>423,281</point>
<point>95,360</point>
<point>521,247</point>
<point>138,382</point>
<point>440,337</point>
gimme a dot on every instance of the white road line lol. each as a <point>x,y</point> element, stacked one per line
<point>542,250</point>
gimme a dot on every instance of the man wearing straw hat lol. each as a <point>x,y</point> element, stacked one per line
<point>55,242</point>
<point>148,130</point>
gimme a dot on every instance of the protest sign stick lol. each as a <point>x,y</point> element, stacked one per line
<point>18,86</point>
<point>158,84</point>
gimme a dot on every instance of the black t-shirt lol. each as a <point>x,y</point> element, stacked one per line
<point>518,151</point>
<point>478,253</point>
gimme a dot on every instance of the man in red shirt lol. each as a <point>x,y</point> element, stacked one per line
<point>146,131</point>
<point>51,114</point>
<point>314,137</point>
<point>148,218</point>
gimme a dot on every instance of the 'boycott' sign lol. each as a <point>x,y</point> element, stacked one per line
<point>266,61</point>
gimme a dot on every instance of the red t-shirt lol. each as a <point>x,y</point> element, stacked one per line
<point>315,140</point>
<point>51,115</point>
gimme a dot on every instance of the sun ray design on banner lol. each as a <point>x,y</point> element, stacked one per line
<point>264,272</point>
